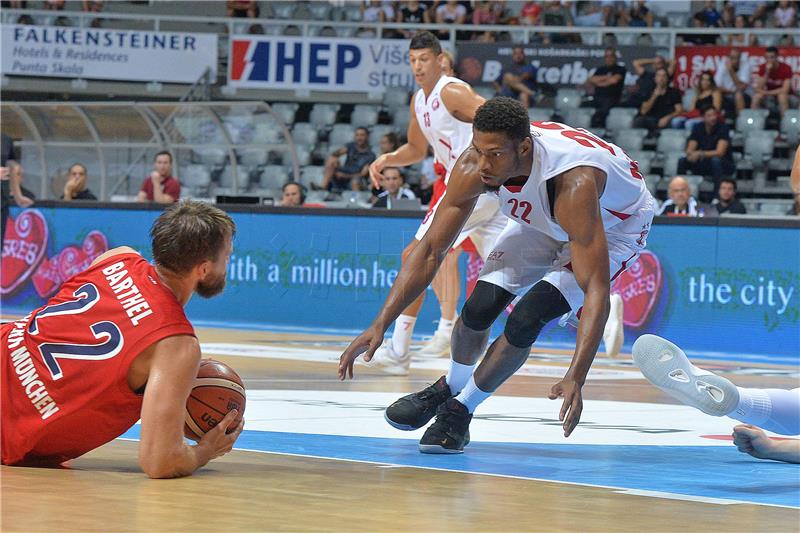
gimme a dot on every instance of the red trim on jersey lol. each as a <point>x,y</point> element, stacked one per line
<point>568,266</point>
<point>621,216</point>
<point>514,189</point>
<point>468,246</point>
<point>447,145</point>
<point>623,267</point>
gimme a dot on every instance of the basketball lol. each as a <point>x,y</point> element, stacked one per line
<point>217,390</point>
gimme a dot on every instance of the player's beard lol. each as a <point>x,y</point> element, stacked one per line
<point>211,286</point>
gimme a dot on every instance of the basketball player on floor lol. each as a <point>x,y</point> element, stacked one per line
<point>441,115</point>
<point>777,410</point>
<point>580,213</point>
<point>115,345</point>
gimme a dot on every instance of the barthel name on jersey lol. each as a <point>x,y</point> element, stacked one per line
<point>127,292</point>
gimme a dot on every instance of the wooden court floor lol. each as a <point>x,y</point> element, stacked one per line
<point>256,491</point>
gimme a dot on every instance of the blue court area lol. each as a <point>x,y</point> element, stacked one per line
<point>696,471</point>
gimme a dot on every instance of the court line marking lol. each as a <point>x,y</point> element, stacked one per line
<point>617,490</point>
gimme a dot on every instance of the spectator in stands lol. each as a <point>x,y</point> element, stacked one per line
<point>412,13</point>
<point>294,195</point>
<point>26,197</point>
<point>92,6</point>
<point>351,175</point>
<point>519,80</point>
<point>54,5</point>
<point>161,186</point>
<point>706,95</point>
<point>555,14</point>
<point>531,13</point>
<point>754,11</point>
<point>590,14</point>
<point>392,184</point>
<point>376,11</point>
<point>709,15</point>
<point>733,79</point>
<point>9,182</point>
<point>450,12</point>
<point>608,81</point>
<point>637,15</point>
<point>773,81</point>
<point>75,188</point>
<point>661,106</point>
<point>680,202</point>
<point>785,15</point>
<point>739,39</point>
<point>242,9</point>
<point>26,20</point>
<point>708,150</point>
<point>484,14</point>
<point>726,201</point>
<point>647,76</point>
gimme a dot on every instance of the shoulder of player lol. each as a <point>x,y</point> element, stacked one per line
<point>455,93</point>
<point>576,186</point>
<point>121,250</point>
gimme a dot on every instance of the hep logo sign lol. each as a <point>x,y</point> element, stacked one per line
<point>278,61</point>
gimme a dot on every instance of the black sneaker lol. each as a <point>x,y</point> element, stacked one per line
<point>450,432</point>
<point>415,410</point>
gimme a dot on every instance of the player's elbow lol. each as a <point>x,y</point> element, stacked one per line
<point>161,465</point>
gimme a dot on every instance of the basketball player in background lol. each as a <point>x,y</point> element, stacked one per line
<point>441,116</point>
<point>777,410</point>
<point>114,345</point>
<point>580,214</point>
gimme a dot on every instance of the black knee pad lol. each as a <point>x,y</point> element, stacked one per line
<point>484,305</point>
<point>539,306</point>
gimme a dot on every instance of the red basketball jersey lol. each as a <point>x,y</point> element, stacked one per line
<point>64,367</point>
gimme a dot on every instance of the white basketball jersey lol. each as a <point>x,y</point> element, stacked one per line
<point>558,148</point>
<point>448,136</point>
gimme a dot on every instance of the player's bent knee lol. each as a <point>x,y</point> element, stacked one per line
<point>484,305</point>
<point>539,306</point>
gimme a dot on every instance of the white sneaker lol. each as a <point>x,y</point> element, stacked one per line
<point>667,367</point>
<point>437,346</point>
<point>386,360</point>
<point>614,333</point>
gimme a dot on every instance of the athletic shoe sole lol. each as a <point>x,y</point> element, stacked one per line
<point>667,367</point>
<point>401,427</point>
<point>436,449</point>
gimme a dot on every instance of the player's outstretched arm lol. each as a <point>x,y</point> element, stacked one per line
<point>577,209</point>
<point>413,151</point>
<point>173,364</point>
<point>752,440</point>
<point>420,268</point>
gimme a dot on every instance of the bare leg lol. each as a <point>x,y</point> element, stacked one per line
<point>756,102</point>
<point>500,363</point>
<point>330,168</point>
<point>783,103</point>
<point>447,285</point>
<point>467,345</point>
<point>739,101</point>
<point>416,305</point>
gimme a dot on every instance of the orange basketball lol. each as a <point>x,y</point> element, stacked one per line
<point>217,390</point>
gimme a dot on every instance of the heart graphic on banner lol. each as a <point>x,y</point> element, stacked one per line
<point>24,247</point>
<point>46,280</point>
<point>640,286</point>
<point>70,261</point>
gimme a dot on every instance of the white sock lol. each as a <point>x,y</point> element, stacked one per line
<point>401,336</point>
<point>458,375</point>
<point>445,327</point>
<point>775,410</point>
<point>471,397</point>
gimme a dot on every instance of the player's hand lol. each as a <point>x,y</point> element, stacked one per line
<point>376,171</point>
<point>217,442</point>
<point>366,344</point>
<point>752,440</point>
<point>572,407</point>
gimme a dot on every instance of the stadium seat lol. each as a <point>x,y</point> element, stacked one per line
<point>578,117</point>
<point>626,39</point>
<point>267,132</point>
<point>620,118</point>
<point>304,134</point>
<point>567,99</point>
<point>303,156</point>
<point>672,142</point>
<point>253,157</point>
<point>283,10</point>
<point>539,114</point>
<point>395,98</point>
<point>790,126</point>
<point>487,92</point>
<point>759,145</point>
<point>213,157</point>
<point>340,135</point>
<point>652,183</point>
<point>400,121</point>
<point>671,163</point>
<point>631,140</point>
<point>311,174</point>
<point>751,119</point>
<point>678,20</point>
<point>364,115</point>
<point>324,115</point>
<point>320,10</point>
<point>378,131</point>
<point>774,207</point>
<point>285,111</point>
<point>243,181</point>
<point>274,177</point>
<point>195,176</point>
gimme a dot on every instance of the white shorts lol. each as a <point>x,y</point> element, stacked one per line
<point>483,226</point>
<point>523,256</point>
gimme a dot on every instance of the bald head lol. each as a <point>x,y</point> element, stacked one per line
<point>679,191</point>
